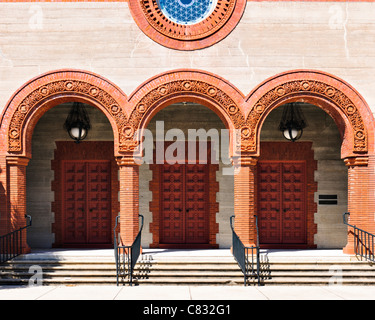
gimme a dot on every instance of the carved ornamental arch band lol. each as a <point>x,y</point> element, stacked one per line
<point>50,89</point>
<point>245,114</point>
<point>350,112</point>
<point>193,86</point>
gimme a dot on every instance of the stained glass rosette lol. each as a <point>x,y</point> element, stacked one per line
<point>187,12</point>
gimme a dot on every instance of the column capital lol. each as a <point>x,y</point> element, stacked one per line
<point>17,161</point>
<point>245,160</point>
<point>128,160</point>
<point>359,161</point>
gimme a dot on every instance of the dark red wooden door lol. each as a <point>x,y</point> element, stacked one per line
<point>184,208</point>
<point>87,202</point>
<point>282,202</point>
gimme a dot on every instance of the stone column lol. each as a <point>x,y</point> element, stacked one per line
<point>361,196</point>
<point>129,199</point>
<point>245,199</point>
<point>16,169</point>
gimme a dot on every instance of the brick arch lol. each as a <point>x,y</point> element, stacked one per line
<point>40,94</point>
<point>183,85</point>
<point>336,97</point>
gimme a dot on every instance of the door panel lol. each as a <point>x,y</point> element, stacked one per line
<point>99,202</point>
<point>282,202</point>
<point>172,199</point>
<point>87,202</point>
<point>294,203</point>
<point>269,202</point>
<point>184,208</point>
<point>75,202</point>
<point>196,204</point>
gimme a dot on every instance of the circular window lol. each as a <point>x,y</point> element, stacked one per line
<point>187,24</point>
<point>187,12</point>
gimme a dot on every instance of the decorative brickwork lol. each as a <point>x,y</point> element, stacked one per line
<point>247,114</point>
<point>16,170</point>
<point>350,112</point>
<point>361,200</point>
<point>245,201</point>
<point>129,202</point>
<point>170,87</point>
<point>40,94</point>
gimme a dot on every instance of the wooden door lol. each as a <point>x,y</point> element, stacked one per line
<point>87,202</point>
<point>282,202</point>
<point>184,207</point>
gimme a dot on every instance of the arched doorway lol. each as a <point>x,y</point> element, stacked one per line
<point>353,119</point>
<point>302,185</point>
<point>72,189</point>
<point>180,91</point>
<point>50,92</point>
<point>185,191</point>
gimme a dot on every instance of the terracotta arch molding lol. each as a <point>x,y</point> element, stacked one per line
<point>179,86</point>
<point>151,20</point>
<point>40,94</point>
<point>332,94</point>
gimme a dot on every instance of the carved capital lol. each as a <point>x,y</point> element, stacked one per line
<point>128,160</point>
<point>17,161</point>
<point>356,161</point>
<point>245,161</point>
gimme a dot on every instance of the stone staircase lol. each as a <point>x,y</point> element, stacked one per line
<point>186,268</point>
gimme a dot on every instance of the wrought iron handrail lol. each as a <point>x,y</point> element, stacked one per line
<point>363,241</point>
<point>11,243</point>
<point>246,257</point>
<point>126,256</point>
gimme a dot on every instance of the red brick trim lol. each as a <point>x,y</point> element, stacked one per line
<point>129,201</point>
<point>40,94</point>
<point>361,200</point>
<point>336,97</point>
<point>88,150</point>
<point>247,114</point>
<point>16,172</point>
<point>330,93</point>
<point>213,29</point>
<point>182,85</point>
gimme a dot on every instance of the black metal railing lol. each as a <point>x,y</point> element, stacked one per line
<point>11,243</point>
<point>246,257</point>
<point>363,241</point>
<point>126,256</point>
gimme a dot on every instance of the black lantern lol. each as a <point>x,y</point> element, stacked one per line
<point>292,122</point>
<point>77,123</point>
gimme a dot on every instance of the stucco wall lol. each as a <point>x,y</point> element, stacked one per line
<point>271,37</point>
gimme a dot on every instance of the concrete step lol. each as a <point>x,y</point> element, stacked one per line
<point>188,270</point>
